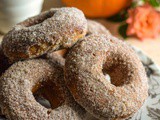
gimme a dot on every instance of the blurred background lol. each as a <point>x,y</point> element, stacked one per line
<point>135,21</point>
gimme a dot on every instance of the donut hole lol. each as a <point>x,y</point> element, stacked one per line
<point>38,19</point>
<point>49,95</point>
<point>107,77</point>
<point>41,100</point>
<point>117,76</point>
<point>118,73</point>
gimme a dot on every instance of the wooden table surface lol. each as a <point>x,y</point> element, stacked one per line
<point>150,46</point>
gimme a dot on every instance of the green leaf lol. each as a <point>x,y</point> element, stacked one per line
<point>121,16</point>
<point>122,30</point>
<point>154,3</point>
<point>134,4</point>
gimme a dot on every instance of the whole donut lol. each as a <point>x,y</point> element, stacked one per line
<point>23,79</point>
<point>51,30</point>
<point>86,64</point>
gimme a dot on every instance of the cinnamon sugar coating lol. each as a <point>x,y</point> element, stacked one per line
<point>51,30</point>
<point>85,66</point>
<point>22,79</point>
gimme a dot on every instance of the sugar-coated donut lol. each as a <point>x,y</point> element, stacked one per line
<point>95,27</point>
<point>23,79</point>
<point>85,66</point>
<point>51,30</point>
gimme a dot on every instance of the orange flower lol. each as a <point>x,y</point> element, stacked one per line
<point>143,22</point>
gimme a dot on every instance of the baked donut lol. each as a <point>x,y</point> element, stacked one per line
<point>86,64</point>
<point>51,30</point>
<point>95,27</point>
<point>23,79</point>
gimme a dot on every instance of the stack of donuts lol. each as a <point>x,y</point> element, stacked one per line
<point>64,58</point>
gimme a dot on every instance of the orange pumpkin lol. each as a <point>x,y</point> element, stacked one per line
<point>98,8</point>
